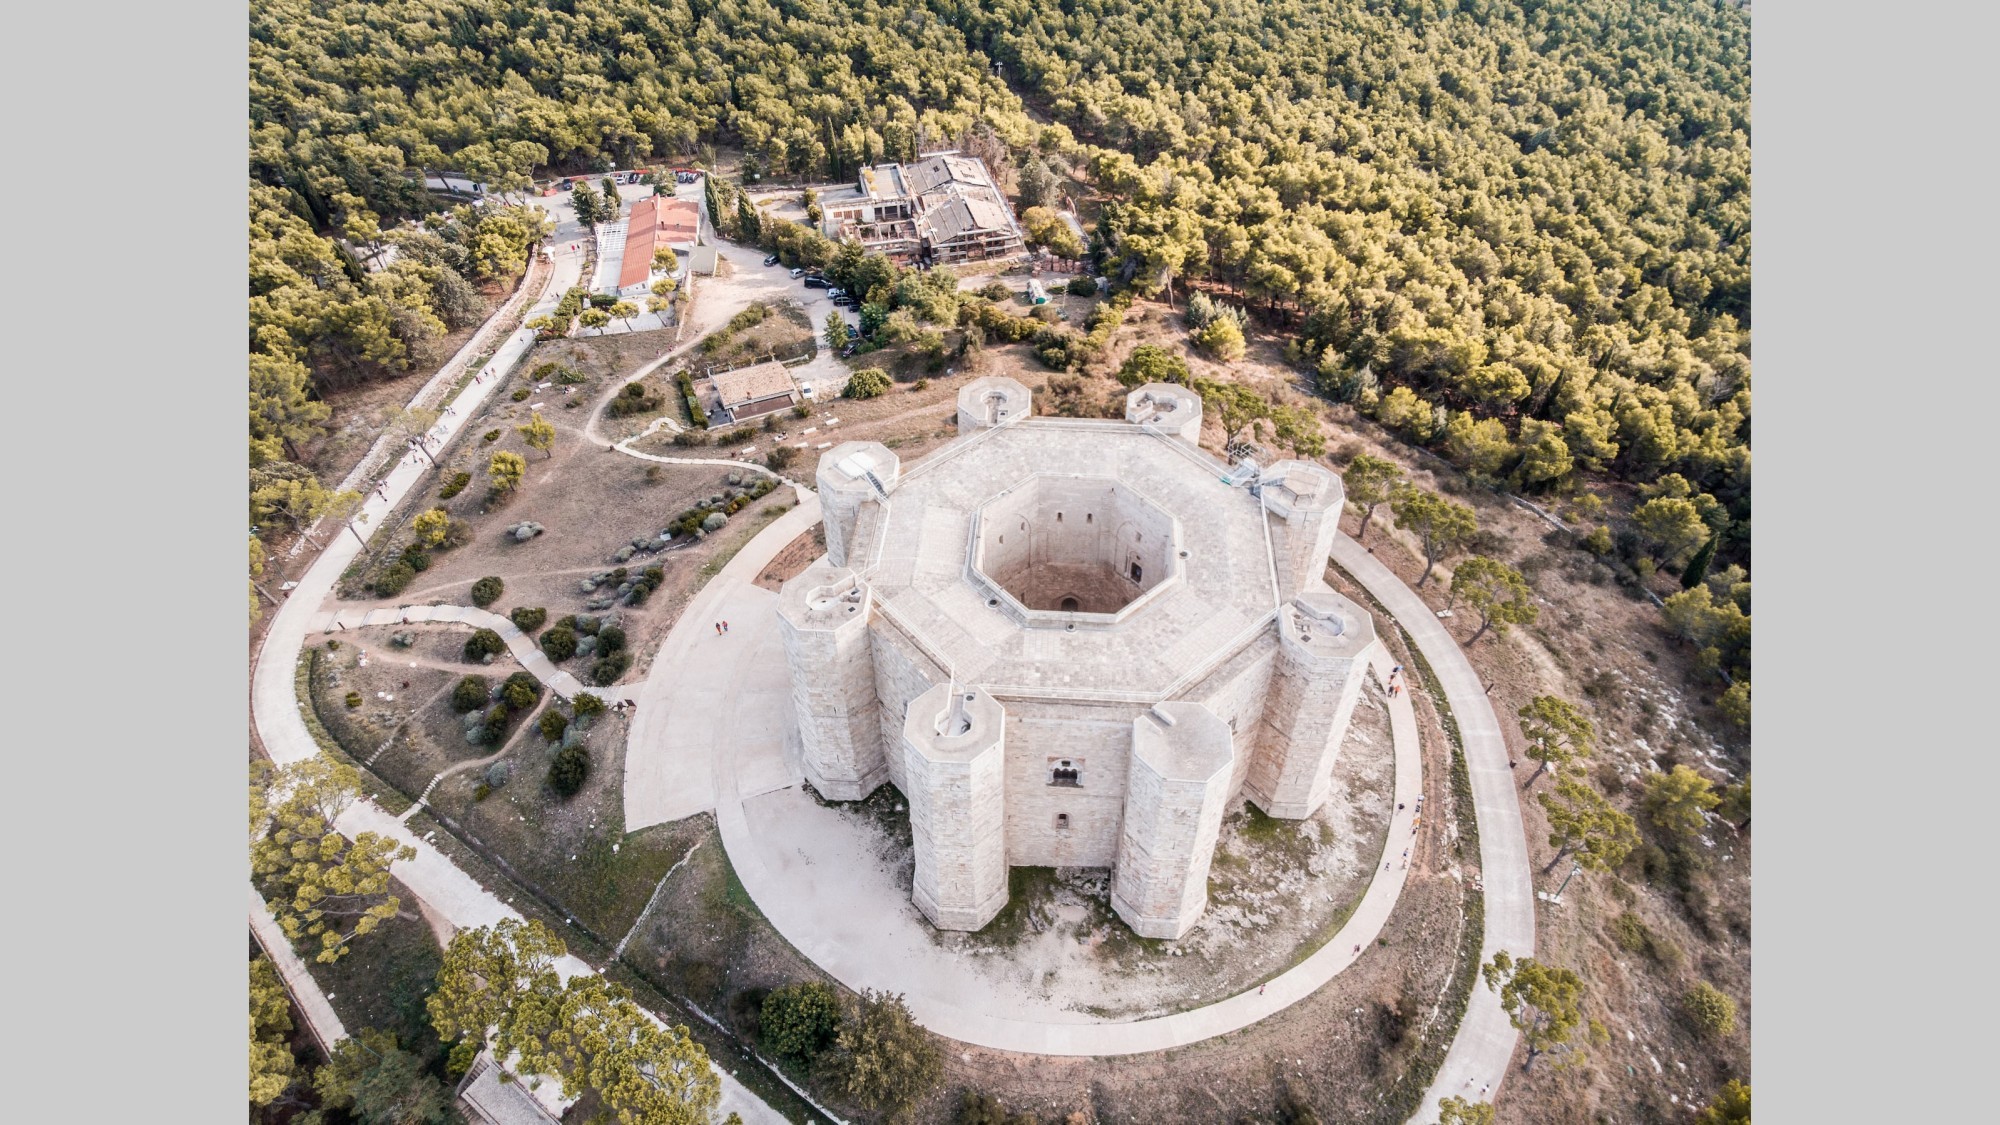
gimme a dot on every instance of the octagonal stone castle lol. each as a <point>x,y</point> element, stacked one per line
<point>1072,643</point>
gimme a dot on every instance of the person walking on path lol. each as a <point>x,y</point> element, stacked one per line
<point>718,628</point>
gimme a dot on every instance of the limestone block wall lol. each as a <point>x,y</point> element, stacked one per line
<point>1056,537</point>
<point>823,623</point>
<point>1325,645</point>
<point>1237,691</point>
<point>1176,792</point>
<point>954,757</point>
<point>902,673</point>
<point>1097,740</point>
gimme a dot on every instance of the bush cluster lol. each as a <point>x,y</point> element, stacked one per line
<point>487,590</point>
<point>559,643</point>
<point>393,578</point>
<point>634,399</point>
<point>643,586</point>
<point>471,694</point>
<point>569,770</point>
<point>455,485</point>
<point>528,619</point>
<point>483,643</point>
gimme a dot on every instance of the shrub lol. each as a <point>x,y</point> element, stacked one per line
<point>691,437</point>
<point>569,770</point>
<point>487,590</point>
<point>353,700</point>
<point>471,694</point>
<point>483,643</point>
<point>634,398</point>
<point>552,725</point>
<point>463,1054</point>
<point>496,720</point>
<point>394,578</point>
<point>798,1021</point>
<point>498,774</point>
<point>519,696</point>
<point>713,522</point>
<point>921,385</point>
<point>490,436</point>
<point>528,620</point>
<point>781,457</point>
<point>1081,286</point>
<point>1151,364</point>
<point>430,527</point>
<point>886,1061</point>
<point>587,705</point>
<point>559,643</point>
<point>867,383</point>
<point>1221,338</point>
<point>418,558</point>
<point>521,394</point>
<point>996,292</point>
<point>610,639</point>
<point>1712,1009</point>
<point>802,411</point>
<point>606,670</point>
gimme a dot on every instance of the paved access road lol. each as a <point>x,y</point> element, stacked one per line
<point>1480,1052</point>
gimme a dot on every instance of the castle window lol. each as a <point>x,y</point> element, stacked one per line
<point>1062,822</point>
<point>1058,517</point>
<point>1136,572</point>
<point>1066,772</point>
<point>1069,605</point>
<point>1086,517</point>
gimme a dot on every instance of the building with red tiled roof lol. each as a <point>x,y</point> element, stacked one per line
<point>657,222</point>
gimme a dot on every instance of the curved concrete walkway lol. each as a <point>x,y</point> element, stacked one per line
<point>431,877</point>
<point>523,647</point>
<point>1479,1053</point>
<point>712,735</point>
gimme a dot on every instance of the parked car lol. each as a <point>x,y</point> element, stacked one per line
<point>771,261</point>
<point>836,292</point>
<point>797,272</point>
<point>815,282</point>
<point>805,390</point>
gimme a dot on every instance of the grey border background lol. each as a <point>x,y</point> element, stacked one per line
<point>123,805</point>
<point>127,669</point>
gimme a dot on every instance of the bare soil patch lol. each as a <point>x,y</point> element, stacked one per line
<point>794,559</point>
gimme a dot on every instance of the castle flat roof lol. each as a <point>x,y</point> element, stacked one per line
<point>915,560</point>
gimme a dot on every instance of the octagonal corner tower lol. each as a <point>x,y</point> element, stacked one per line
<point>853,478</point>
<point>1175,795</point>
<point>992,401</point>
<point>1072,643</point>
<point>954,772</point>
<point>823,622</point>
<point>1167,407</point>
